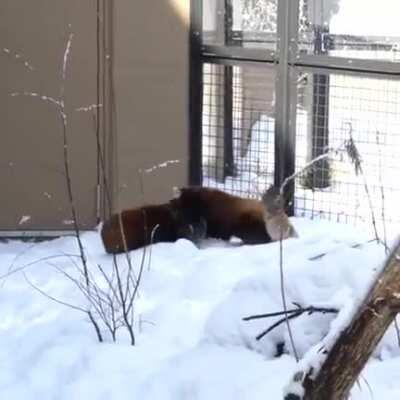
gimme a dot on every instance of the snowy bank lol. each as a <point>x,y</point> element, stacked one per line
<point>191,340</point>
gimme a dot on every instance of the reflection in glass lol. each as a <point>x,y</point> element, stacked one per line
<point>245,23</point>
<point>350,28</point>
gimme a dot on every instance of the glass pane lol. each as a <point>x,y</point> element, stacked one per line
<point>364,29</point>
<point>245,23</point>
<point>360,118</point>
<point>238,128</point>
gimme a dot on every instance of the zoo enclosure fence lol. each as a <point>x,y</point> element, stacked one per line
<point>272,88</point>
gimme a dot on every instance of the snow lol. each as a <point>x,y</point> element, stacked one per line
<point>379,21</point>
<point>191,340</point>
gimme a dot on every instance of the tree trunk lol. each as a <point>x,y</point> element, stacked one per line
<point>349,354</point>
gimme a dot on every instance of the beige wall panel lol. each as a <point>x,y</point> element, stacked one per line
<point>151,42</point>
<point>31,162</point>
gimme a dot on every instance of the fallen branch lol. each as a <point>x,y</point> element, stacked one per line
<point>289,314</point>
<point>343,362</point>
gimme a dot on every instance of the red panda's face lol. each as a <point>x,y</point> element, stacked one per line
<point>190,204</point>
<point>188,221</point>
<point>194,231</point>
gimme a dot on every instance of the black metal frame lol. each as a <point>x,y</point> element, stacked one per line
<point>287,60</point>
<point>195,92</point>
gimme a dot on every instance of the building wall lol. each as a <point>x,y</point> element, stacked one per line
<point>150,76</point>
<point>134,60</point>
<point>33,193</point>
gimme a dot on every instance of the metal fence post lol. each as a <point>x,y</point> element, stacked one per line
<point>195,92</point>
<point>285,115</point>
<point>320,176</point>
<point>229,167</point>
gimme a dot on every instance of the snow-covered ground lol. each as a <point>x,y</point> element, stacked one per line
<point>191,340</point>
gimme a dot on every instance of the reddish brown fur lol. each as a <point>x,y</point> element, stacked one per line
<point>226,215</point>
<point>138,225</point>
<point>195,213</point>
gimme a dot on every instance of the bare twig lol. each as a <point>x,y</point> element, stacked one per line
<point>382,190</point>
<point>153,232</point>
<point>283,296</point>
<point>125,246</point>
<point>60,107</point>
<point>355,158</point>
<point>72,306</point>
<point>104,305</point>
<point>328,153</point>
<point>113,305</point>
<point>285,319</point>
<point>299,308</point>
<point>42,292</point>
<point>23,267</point>
<point>289,314</point>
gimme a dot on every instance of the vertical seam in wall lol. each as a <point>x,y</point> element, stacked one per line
<point>99,114</point>
<point>106,95</point>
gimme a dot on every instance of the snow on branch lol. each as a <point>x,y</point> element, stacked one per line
<point>330,374</point>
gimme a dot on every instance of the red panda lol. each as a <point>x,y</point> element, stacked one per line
<point>138,227</point>
<point>225,215</point>
<point>197,213</point>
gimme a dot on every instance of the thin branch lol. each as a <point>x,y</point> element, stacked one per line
<point>289,314</point>
<point>72,306</point>
<point>110,283</point>
<point>126,252</point>
<point>11,266</point>
<point>151,242</point>
<point>355,158</point>
<point>283,296</point>
<point>33,286</point>
<point>101,161</point>
<point>382,190</point>
<point>19,269</point>
<point>96,326</point>
<point>142,262</point>
<point>329,152</point>
<point>309,310</point>
<point>285,319</point>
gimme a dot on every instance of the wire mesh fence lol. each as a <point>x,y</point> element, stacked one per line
<point>331,109</point>
<point>238,143</point>
<point>337,88</point>
<point>365,110</point>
